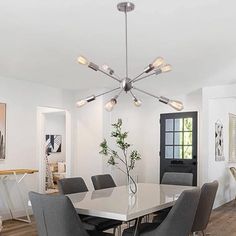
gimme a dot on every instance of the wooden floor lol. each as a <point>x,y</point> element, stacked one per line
<point>222,223</point>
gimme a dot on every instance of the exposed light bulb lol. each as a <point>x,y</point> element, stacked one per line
<point>158,62</point>
<point>81,103</point>
<point>137,102</point>
<point>82,60</point>
<point>110,105</point>
<point>177,105</point>
<point>166,68</point>
<point>108,69</point>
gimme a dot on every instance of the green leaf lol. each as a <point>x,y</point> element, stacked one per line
<point>113,155</point>
<point>111,161</point>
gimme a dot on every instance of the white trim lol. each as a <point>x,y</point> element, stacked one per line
<point>41,111</point>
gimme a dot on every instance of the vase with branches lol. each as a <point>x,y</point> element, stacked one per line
<point>123,159</point>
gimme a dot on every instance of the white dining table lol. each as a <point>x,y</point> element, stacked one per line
<point>118,204</point>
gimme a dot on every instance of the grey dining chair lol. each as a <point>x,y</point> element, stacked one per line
<point>77,185</point>
<point>178,222</point>
<point>103,181</point>
<point>174,178</point>
<point>72,185</point>
<point>233,172</point>
<point>205,205</point>
<point>56,216</point>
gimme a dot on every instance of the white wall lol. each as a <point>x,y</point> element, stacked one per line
<point>90,124</point>
<point>55,125</point>
<point>89,133</point>
<point>94,124</point>
<point>219,110</point>
<point>22,99</point>
<point>218,102</point>
<point>144,131</point>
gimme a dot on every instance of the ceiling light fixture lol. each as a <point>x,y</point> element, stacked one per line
<point>157,67</point>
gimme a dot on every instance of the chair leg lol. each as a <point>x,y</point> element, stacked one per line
<point>147,218</point>
<point>119,230</point>
<point>114,231</point>
<point>203,233</point>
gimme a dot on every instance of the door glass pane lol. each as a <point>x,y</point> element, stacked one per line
<point>179,138</point>
<point>169,152</point>
<point>188,124</point>
<point>178,152</point>
<point>169,138</point>
<point>188,138</point>
<point>188,152</point>
<point>169,125</point>
<point>178,124</point>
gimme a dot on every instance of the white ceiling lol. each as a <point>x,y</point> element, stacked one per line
<point>41,39</point>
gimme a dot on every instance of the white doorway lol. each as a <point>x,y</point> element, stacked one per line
<point>54,147</point>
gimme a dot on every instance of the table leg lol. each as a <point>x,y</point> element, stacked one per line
<point>137,224</point>
<point>7,198</point>
<point>8,201</point>
<point>21,198</point>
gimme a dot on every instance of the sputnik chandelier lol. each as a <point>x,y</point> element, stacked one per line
<point>128,84</point>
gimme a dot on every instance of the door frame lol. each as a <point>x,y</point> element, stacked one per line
<point>162,142</point>
<point>41,112</point>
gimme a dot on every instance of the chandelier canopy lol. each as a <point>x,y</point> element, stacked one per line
<point>128,84</point>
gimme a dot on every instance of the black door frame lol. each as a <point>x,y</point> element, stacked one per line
<point>175,163</point>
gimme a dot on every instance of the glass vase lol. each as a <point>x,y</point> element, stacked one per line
<point>132,184</point>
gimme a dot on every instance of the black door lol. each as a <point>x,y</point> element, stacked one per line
<point>178,143</point>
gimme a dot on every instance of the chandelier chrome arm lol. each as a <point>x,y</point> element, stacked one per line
<point>162,68</point>
<point>177,105</point>
<point>145,92</point>
<point>133,80</point>
<point>144,77</point>
<point>91,98</point>
<point>116,97</point>
<point>109,91</point>
<point>111,76</point>
<point>126,43</point>
<point>83,61</point>
<point>134,97</point>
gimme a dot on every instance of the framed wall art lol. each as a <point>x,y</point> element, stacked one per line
<point>53,143</point>
<point>219,142</point>
<point>232,138</point>
<point>2,131</point>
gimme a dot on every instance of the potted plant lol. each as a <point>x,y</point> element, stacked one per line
<point>123,158</point>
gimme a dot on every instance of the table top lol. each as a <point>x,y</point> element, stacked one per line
<point>117,203</point>
<point>17,171</point>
